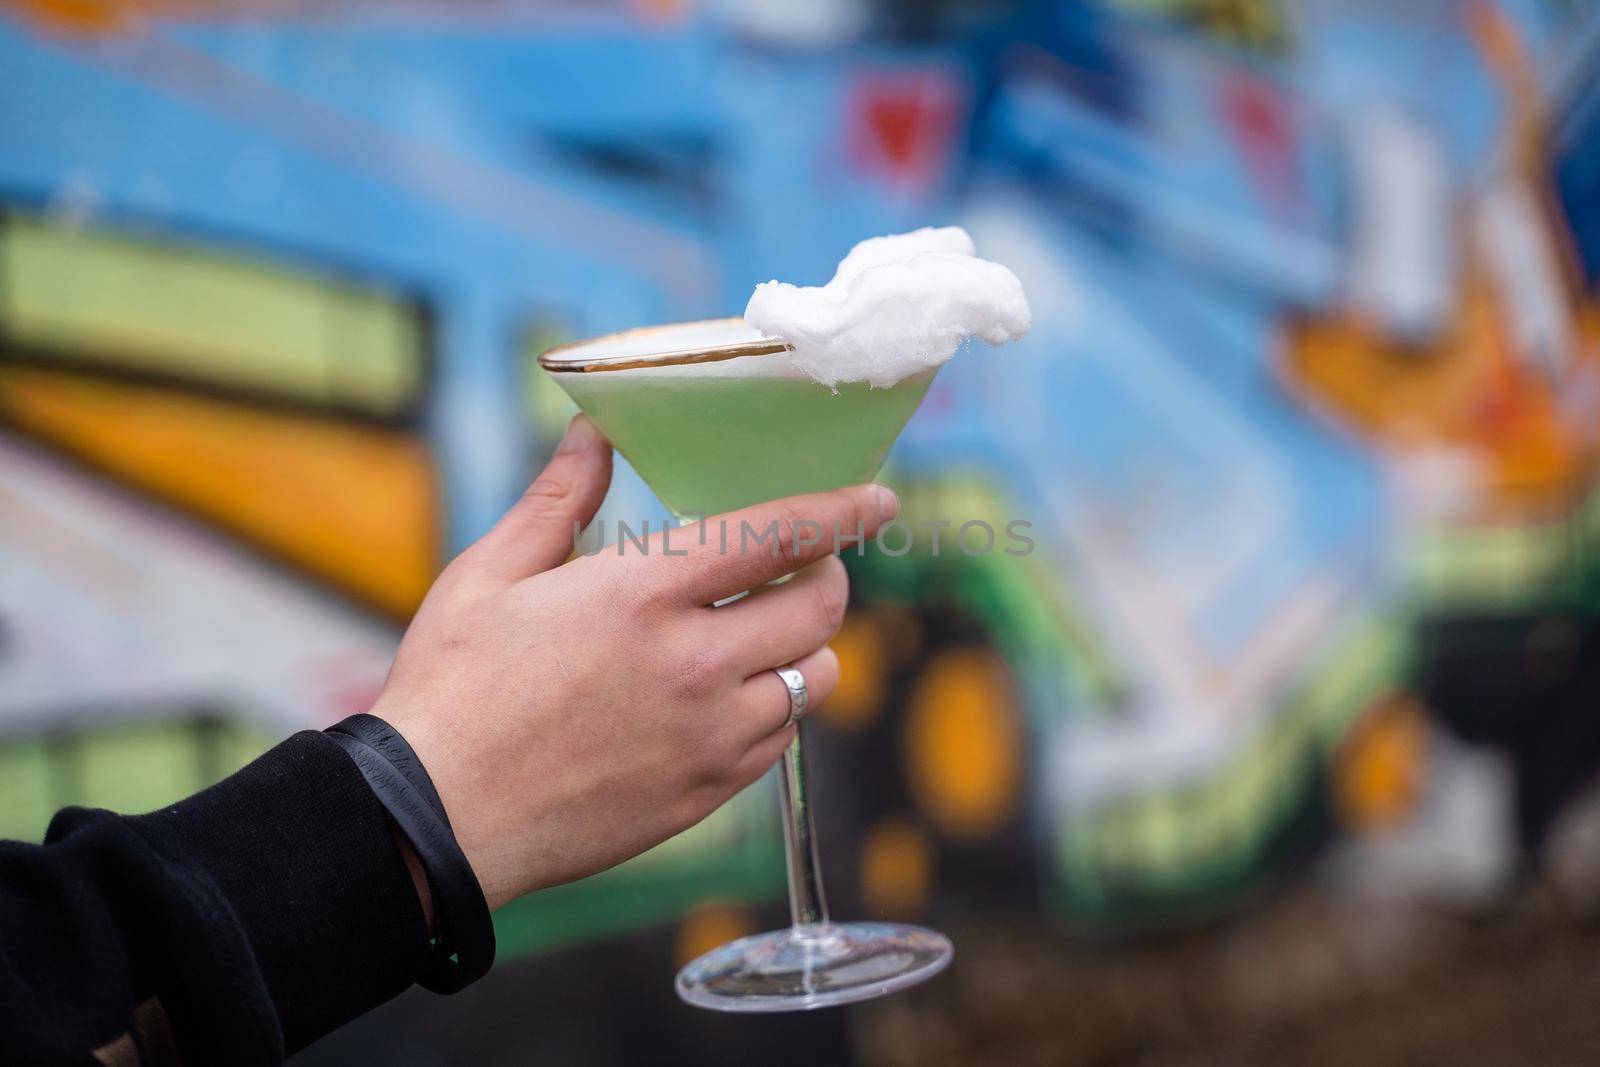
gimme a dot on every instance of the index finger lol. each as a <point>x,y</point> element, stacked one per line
<point>741,550</point>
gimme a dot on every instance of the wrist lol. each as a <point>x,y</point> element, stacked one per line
<point>464,934</point>
<point>461,790</point>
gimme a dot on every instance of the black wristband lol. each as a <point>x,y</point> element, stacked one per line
<point>462,927</point>
<point>387,742</point>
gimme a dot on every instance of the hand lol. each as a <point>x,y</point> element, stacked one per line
<point>573,714</point>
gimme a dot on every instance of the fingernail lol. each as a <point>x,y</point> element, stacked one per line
<point>888,503</point>
<point>581,434</point>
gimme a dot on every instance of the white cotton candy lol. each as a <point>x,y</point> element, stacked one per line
<point>895,306</point>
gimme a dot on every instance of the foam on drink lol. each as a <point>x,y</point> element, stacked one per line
<point>896,305</point>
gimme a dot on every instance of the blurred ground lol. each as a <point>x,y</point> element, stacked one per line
<point>1306,981</point>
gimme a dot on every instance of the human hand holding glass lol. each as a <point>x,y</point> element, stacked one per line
<point>523,669</point>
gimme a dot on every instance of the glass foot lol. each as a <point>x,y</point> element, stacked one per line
<point>813,967</point>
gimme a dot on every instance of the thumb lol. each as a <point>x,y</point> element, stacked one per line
<point>537,533</point>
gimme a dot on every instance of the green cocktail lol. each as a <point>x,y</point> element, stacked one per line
<point>709,443</point>
<point>715,417</point>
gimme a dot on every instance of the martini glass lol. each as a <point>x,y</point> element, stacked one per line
<point>714,419</point>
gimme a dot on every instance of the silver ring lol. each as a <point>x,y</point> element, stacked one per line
<point>796,684</point>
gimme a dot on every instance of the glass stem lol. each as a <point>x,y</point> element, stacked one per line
<point>808,908</point>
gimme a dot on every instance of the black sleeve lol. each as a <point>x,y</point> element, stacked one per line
<point>234,927</point>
